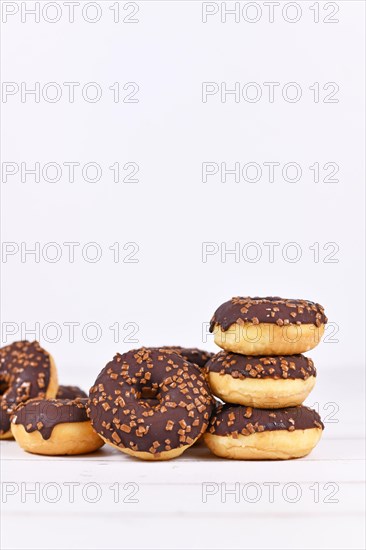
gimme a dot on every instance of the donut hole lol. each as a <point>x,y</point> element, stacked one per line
<point>147,396</point>
<point>154,395</point>
<point>148,392</point>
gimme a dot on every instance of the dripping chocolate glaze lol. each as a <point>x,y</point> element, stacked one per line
<point>271,309</point>
<point>276,367</point>
<point>237,420</point>
<point>24,374</point>
<point>176,417</point>
<point>43,415</point>
<point>192,355</point>
<point>70,392</point>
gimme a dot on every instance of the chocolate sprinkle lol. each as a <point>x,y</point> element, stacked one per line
<point>24,374</point>
<point>177,416</point>
<point>234,420</point>
<point>276,367</point>
<point>70,392</point>
<point>271,309</point>
<point>43,415</point>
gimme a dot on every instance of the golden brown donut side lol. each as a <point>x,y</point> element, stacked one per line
<point>53,384</point>
<point>67,439</point>
<point>275,445</point>
<point>268,338</point>
<point>264,393</point>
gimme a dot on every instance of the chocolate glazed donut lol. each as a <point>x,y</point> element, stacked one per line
<point>157,429</point>
<point>261,381</point>
<point>26,371</point>
<point>268,326</point>
<point>70,392</point>
<point>246,433</point>
<point>192,355</point>
<point>54,427</point>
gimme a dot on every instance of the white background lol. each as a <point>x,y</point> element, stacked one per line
<point>169,295</point>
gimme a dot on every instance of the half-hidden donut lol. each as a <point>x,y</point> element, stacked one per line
<point>70,392</point>
<point>192,355</point>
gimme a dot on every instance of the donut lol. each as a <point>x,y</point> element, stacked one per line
<point>246,433</point>
<point>70,392</point>
<point>158,429</point>
<point>192,355</point>
<point>54,427</point>
<point>264,382</point>
<point>268,326</point>
<point>26,371</point>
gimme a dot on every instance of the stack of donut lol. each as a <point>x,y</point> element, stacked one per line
<point>263,378</point>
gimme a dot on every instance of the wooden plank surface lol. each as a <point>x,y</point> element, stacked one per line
<point>108,500</point>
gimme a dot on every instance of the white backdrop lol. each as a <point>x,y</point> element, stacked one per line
<point>159,158</point>
<point>164,287</point>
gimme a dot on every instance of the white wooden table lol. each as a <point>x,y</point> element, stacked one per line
<point>108,500</point>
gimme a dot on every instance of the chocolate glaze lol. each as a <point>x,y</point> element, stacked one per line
<point>234,420</point>
<point>271,309</point>
<point>176,417</point>
<point>25,370</point>
<point>192,355</point>
<point>43,415</point>
<point>70,392</point>
<point>247,366</point>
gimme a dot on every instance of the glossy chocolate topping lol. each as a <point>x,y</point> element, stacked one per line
<point>178,415</point>
<point>234,420</point>
<point>70,392</point>
<point>276,367</point>
<point>267,310</point>
<point>192,355</point>
<point>43,415</point>
<point>24,374</point>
